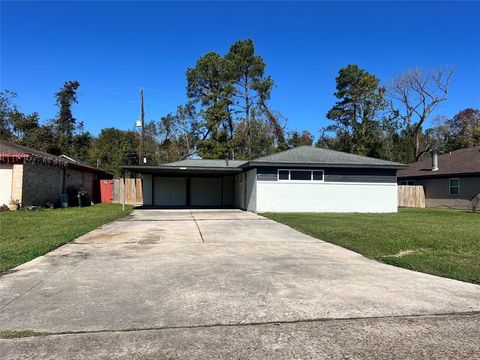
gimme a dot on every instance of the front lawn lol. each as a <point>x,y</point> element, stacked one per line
<point>24,235</point>
<point>435,241</point>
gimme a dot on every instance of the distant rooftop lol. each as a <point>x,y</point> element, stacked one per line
<point>458,162</point>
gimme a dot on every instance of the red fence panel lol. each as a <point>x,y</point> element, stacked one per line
<point>106,191</point>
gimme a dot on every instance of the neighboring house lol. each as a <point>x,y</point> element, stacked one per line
<point>297,180</point>
<point>35,178</point>
<point>449,180</point>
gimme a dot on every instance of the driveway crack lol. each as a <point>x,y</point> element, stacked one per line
<point>198,227</point>
<point>28,290</point>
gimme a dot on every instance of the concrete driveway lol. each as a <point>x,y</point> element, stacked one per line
<point>219,277</point>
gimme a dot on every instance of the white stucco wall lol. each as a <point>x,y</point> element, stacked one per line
<point>147,189</point>
<point>275,196</point>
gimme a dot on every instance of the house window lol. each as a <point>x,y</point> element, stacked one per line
<point>283,175</point>
<point>300,175</point>
<point>317,175</point>
<point>454,186</point>
<point>407,182</point>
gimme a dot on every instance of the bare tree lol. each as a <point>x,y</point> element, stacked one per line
<point>414,94</point>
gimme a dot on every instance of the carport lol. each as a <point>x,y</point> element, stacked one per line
<point>173,186</point>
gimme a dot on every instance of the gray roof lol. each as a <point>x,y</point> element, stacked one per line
<point>307,155</point>
<point>299,156</point>
<point>206,163</point>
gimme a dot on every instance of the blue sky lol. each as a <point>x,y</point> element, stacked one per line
<point>114,48</point>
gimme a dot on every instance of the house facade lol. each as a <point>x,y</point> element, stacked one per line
<point>303,179</point>
<point>36,178</point>
<point>449,180</point>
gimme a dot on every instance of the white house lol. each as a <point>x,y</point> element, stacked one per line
<point>302,179</point>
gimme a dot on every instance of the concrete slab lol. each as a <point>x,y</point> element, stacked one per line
<point>233,214</point>
<point>249,231</point>
<point>145,231</point>
<point>440,338</point>
<point>160,269</point>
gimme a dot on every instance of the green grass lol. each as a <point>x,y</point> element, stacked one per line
<point>435,241</point>
<point>28,234</point>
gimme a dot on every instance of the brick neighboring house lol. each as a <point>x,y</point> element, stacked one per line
<point>35,178</point>
<point>449,180</point>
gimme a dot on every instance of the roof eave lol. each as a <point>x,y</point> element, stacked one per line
<point>432,175</point>
<point>88,168</point>
<point>180,169</point>
<point>251,164</point>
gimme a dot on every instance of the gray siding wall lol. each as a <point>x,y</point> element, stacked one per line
<point>251,190</point>
<point>337,174</point>
<point>437,192</point>
<point>239,191</point>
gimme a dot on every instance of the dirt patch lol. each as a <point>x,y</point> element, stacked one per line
<point>400,254</point>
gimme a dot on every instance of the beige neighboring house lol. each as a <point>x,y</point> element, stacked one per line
<point>35,178</point>
<point>449,180</point>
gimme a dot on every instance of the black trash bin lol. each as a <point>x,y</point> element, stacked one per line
<point>83,199</point>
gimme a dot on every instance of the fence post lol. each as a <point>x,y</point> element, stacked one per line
<point>123,203</point>
<point>135,190</point>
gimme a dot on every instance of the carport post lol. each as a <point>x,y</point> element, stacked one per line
<point>123,200</point>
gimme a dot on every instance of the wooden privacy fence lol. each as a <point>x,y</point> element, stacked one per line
<point>411,196</point>
<point>133,195</point>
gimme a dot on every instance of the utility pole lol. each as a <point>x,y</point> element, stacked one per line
<point>142,131</point>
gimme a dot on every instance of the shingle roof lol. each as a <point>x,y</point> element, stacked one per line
<point>313,156</point>
<point>463,161</point>
<point>9,150</point>
<point>301,156</point>
<point>206,163</point>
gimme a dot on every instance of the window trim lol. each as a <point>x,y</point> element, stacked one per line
<point>450,186</point>
<point>300,181</point>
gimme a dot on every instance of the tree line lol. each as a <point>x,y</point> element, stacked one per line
<point>228,114</point>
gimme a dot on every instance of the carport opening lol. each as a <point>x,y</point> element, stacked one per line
<point>192,190</point>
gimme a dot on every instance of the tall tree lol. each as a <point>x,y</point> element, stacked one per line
<point>209,84</point>
<point>65,123</point>
<point>114,148</point>
<point>70,137</point>
<point>23,129</point>
<point>296,138</point>
<point>465,129</point>
<point>413,96</point>
<point>6,109</point>
<point>461,131</point>
<point>252,86</point>
<point>357,114</point>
